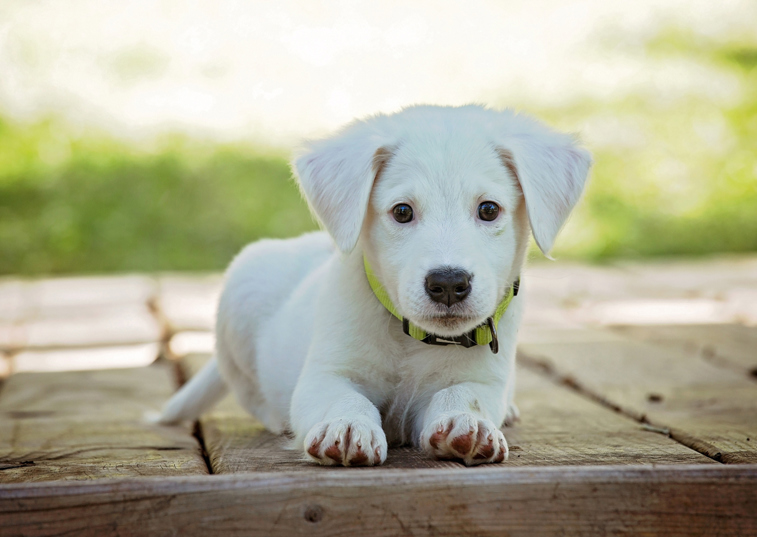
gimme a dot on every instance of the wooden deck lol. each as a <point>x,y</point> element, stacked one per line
<point>637,387</point>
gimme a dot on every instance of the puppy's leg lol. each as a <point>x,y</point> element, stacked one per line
<point>461,422</point>
<point>339,425</point>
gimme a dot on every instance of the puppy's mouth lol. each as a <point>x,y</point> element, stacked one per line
<point>449,324</point>
<point>450,320</point>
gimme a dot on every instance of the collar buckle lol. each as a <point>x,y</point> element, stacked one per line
<point>494,343</point>
<point>466,340</point>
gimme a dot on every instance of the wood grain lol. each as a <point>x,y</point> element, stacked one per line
<point>86,358</point>
<point>90,424</point>
<point>708,408</point>
<point>73,312</point>
<point>726,345</point>
<point>670,501</point>
<point>558,427</point>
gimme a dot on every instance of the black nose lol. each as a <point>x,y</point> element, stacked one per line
<point>448,285</point>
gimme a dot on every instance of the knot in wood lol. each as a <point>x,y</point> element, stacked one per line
<point>313,513</point>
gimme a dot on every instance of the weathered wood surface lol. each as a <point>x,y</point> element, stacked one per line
<point>188,302</point>
<point>5,366</point>
<point>665,501</point>
<point>54,297</point>
<point>558,427</point>
<point>709,408</point>
<point>576,466</point>
<point>726,345</point>
<point>76,312</point>
<point>88,358</point>
<point>91,424</point>
<point>715,290</point>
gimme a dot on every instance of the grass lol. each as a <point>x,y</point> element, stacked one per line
<point>100,206</point>
<point>675,177</point>
<point>681,176</point>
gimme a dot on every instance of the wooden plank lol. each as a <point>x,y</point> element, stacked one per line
<point>708,408</point>
<point>77,312</point>
<point>6,365</point>
<point>711,277</point>
<point>727,345</point>
<point>678,501</point>
<point>59,297</point>
<point>191,342</point>
<point>189,302</point>
<point>670,291</point>
<point>12,335</point>
<point>11,300</point>
<point>90,424</point>
<point>558,427</point>
<point>122,325</point>
<point>78,359</point>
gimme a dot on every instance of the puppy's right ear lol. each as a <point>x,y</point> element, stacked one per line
<point>336,176</point>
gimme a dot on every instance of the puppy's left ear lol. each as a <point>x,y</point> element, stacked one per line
<point>552,169</point>
<point>336,176</point>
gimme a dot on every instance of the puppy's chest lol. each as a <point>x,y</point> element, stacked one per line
<point>409,387</point>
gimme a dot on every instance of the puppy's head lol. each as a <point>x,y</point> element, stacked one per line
<point>441,201</point>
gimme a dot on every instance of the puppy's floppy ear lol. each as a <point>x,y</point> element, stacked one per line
<point>336,176</point>
<point>551,169</point>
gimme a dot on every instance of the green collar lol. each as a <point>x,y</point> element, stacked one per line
<point>481,335</point>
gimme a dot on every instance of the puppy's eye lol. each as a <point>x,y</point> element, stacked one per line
<point>403,213</point>
<point>488,211</point>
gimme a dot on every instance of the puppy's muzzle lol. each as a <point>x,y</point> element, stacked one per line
<point>448,285</point>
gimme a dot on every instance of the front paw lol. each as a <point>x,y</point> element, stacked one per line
<point>349,442</point>
<point>464,437</point>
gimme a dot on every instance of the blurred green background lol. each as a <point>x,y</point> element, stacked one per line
<point>672,177</point>
<point>98,205</point>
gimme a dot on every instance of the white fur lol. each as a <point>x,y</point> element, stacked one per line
<point>306,346</point>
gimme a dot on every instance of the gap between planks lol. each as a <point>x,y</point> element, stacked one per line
<point>197,431</point>
<point>91,425</point>
<point>729,346</point>
<point>545,369</point>
<point>706,408</point>
<point>559,428</point>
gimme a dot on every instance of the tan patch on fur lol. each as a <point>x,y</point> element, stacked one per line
<point>506,156</point>
<point>485,452</point>
<point>334,453</point>
<point>501,456</point>
<point>436,439</point>
<point>380,159</point>
<point>462,444</point>
<point>359,458</point>
<point>485,446</point>
<point>314,447</point>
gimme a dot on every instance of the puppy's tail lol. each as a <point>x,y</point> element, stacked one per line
<point>202,391</point>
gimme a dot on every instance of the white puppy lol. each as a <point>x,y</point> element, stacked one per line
<point>398,324</point>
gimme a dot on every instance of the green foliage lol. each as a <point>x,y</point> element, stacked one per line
<point>676,175</point>
<point>95,205</point>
